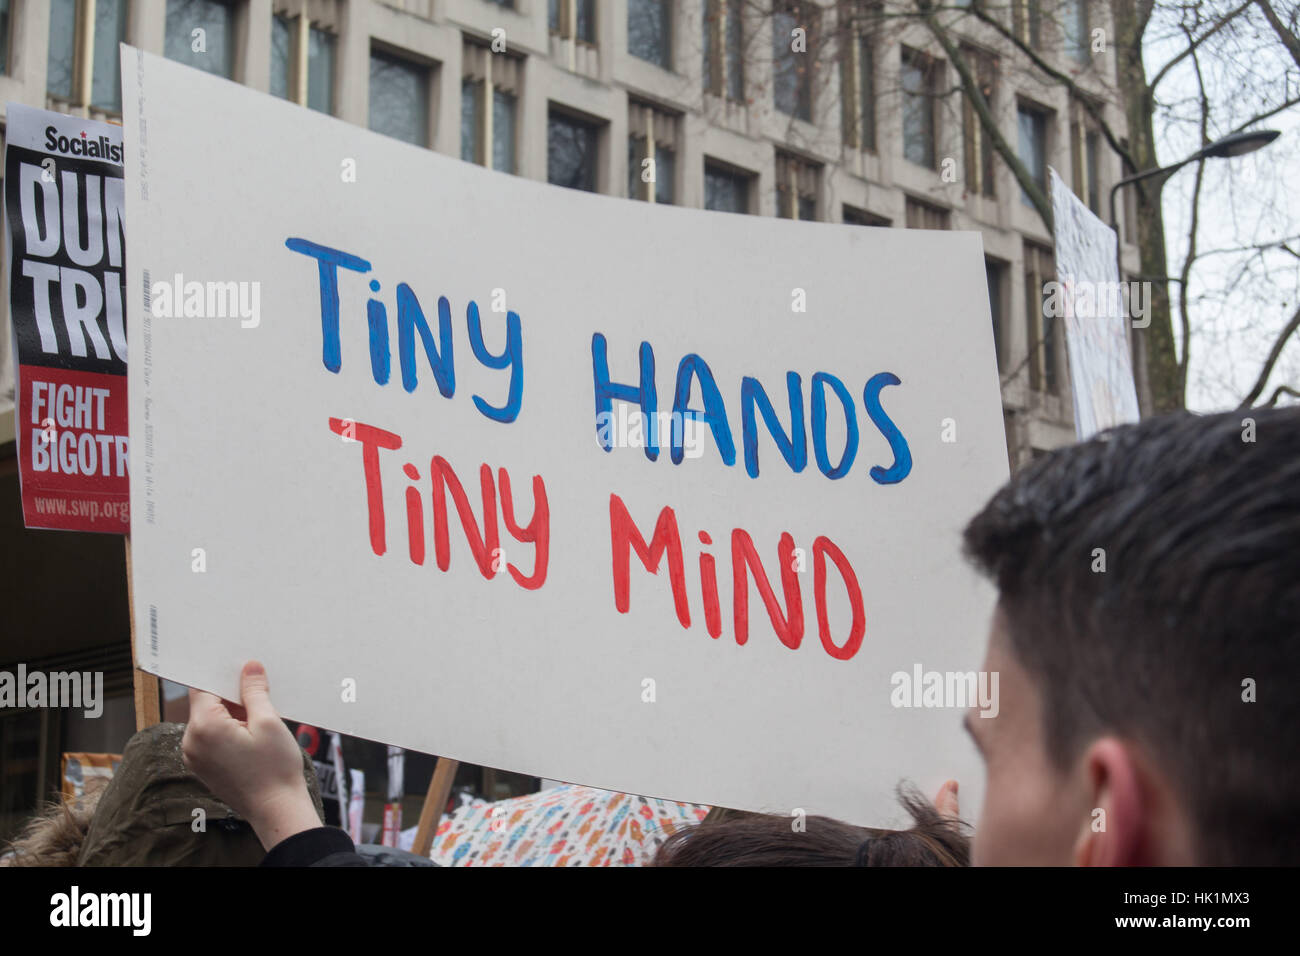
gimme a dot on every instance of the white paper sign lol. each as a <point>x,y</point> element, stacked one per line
<point>1096,309</point>
<point>317,293</point>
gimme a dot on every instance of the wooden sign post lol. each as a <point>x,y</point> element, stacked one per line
<point>148,707</point>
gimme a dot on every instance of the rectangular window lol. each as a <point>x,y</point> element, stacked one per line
<point>919,71</point>
<point>71,64</point>
<point>573,19</point>
<point>281,56</point>
<point>1032,125</point>
<point>489,80</point>
<point>572,151</point>
<point>1085,146</point>
<point>978,143</point>
<point>320,70</point>
<point>859,91</point>
<point>649,31</point>
<point>923,215</point>
<point>726,189</point>
<point>651,153</point>
<point>201,34</point>
<point>1027,21</point>
<point>61,66</point>
<point>4,35</point>
<point>1128,198</point>
<point>1044,359</point>
<point>1092,163</point>
<point>471,120</point>
<point>106,72</point>
<point>796,187</point>
<point>724,72</point>
<point>504,112</point>
<point>860,217</point>
<point>1074,26</point>
<point>996,274</point>
<point>793,30</point>
<point>286,64</point>
<point>399,98</point>
<point>734,50</point>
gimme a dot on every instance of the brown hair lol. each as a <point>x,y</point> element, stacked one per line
<point>762,839</point>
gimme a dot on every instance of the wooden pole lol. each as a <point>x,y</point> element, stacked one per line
<point>148,709</point>
<point>444,772</point>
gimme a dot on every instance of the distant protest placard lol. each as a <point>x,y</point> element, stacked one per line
<point>646,498</point>
<point>63,223</point>
<point>1096,307</point>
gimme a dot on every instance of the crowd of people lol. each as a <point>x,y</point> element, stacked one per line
<point>1147,713</point>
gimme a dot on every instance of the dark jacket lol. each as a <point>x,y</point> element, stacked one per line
<point>329,846</point>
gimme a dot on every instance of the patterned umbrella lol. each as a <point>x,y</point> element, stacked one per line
<point>563,826</point>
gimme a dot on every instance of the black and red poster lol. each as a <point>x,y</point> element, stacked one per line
<point>63,194</point>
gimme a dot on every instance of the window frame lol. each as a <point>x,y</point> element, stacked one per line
<point>1044,120</point>
<point>567,20</point>
<point>298,81</point>
<point>232,65</point>
<point>425,68</point>
<point>81,94</point>
<point>745,178</point>
<point>484,126</point>
<point>719,78</point>
<point>599,129</point>
<point>668,12</point>
<point>797,181</point>
<point>1044,360</point>
<point>857,216</point>
<point>858,88</point>
<point>977,145</point>
<point>930,68</point>
<point>643,144</point>
<point>807,15</point>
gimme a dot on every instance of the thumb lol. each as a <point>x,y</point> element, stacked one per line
<point>255,692</point>
<point>946,800</point>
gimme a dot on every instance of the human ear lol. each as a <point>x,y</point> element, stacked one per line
<point>1112,832</point>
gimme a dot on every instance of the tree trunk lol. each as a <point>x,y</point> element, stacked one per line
<point>1165,375</point>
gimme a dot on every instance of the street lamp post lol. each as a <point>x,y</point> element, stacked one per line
<point>1235,144</point>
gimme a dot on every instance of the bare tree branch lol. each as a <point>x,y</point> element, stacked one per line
<point>1278,392</point>
<point>1274,354</point>
<point>1086,99</point>
<point>1289,39</point>
<point>971,88</point>
<point>1194,42</point>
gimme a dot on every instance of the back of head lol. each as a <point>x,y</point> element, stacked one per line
<point>761,839</point>
<point>1149,578</point>
<point>155,812</point>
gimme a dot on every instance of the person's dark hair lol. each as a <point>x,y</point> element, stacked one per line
<point>762,839</point>
<point>1197,521</point>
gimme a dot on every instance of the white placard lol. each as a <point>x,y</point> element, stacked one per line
<point>253,534</point>
<point>1096,308</point>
